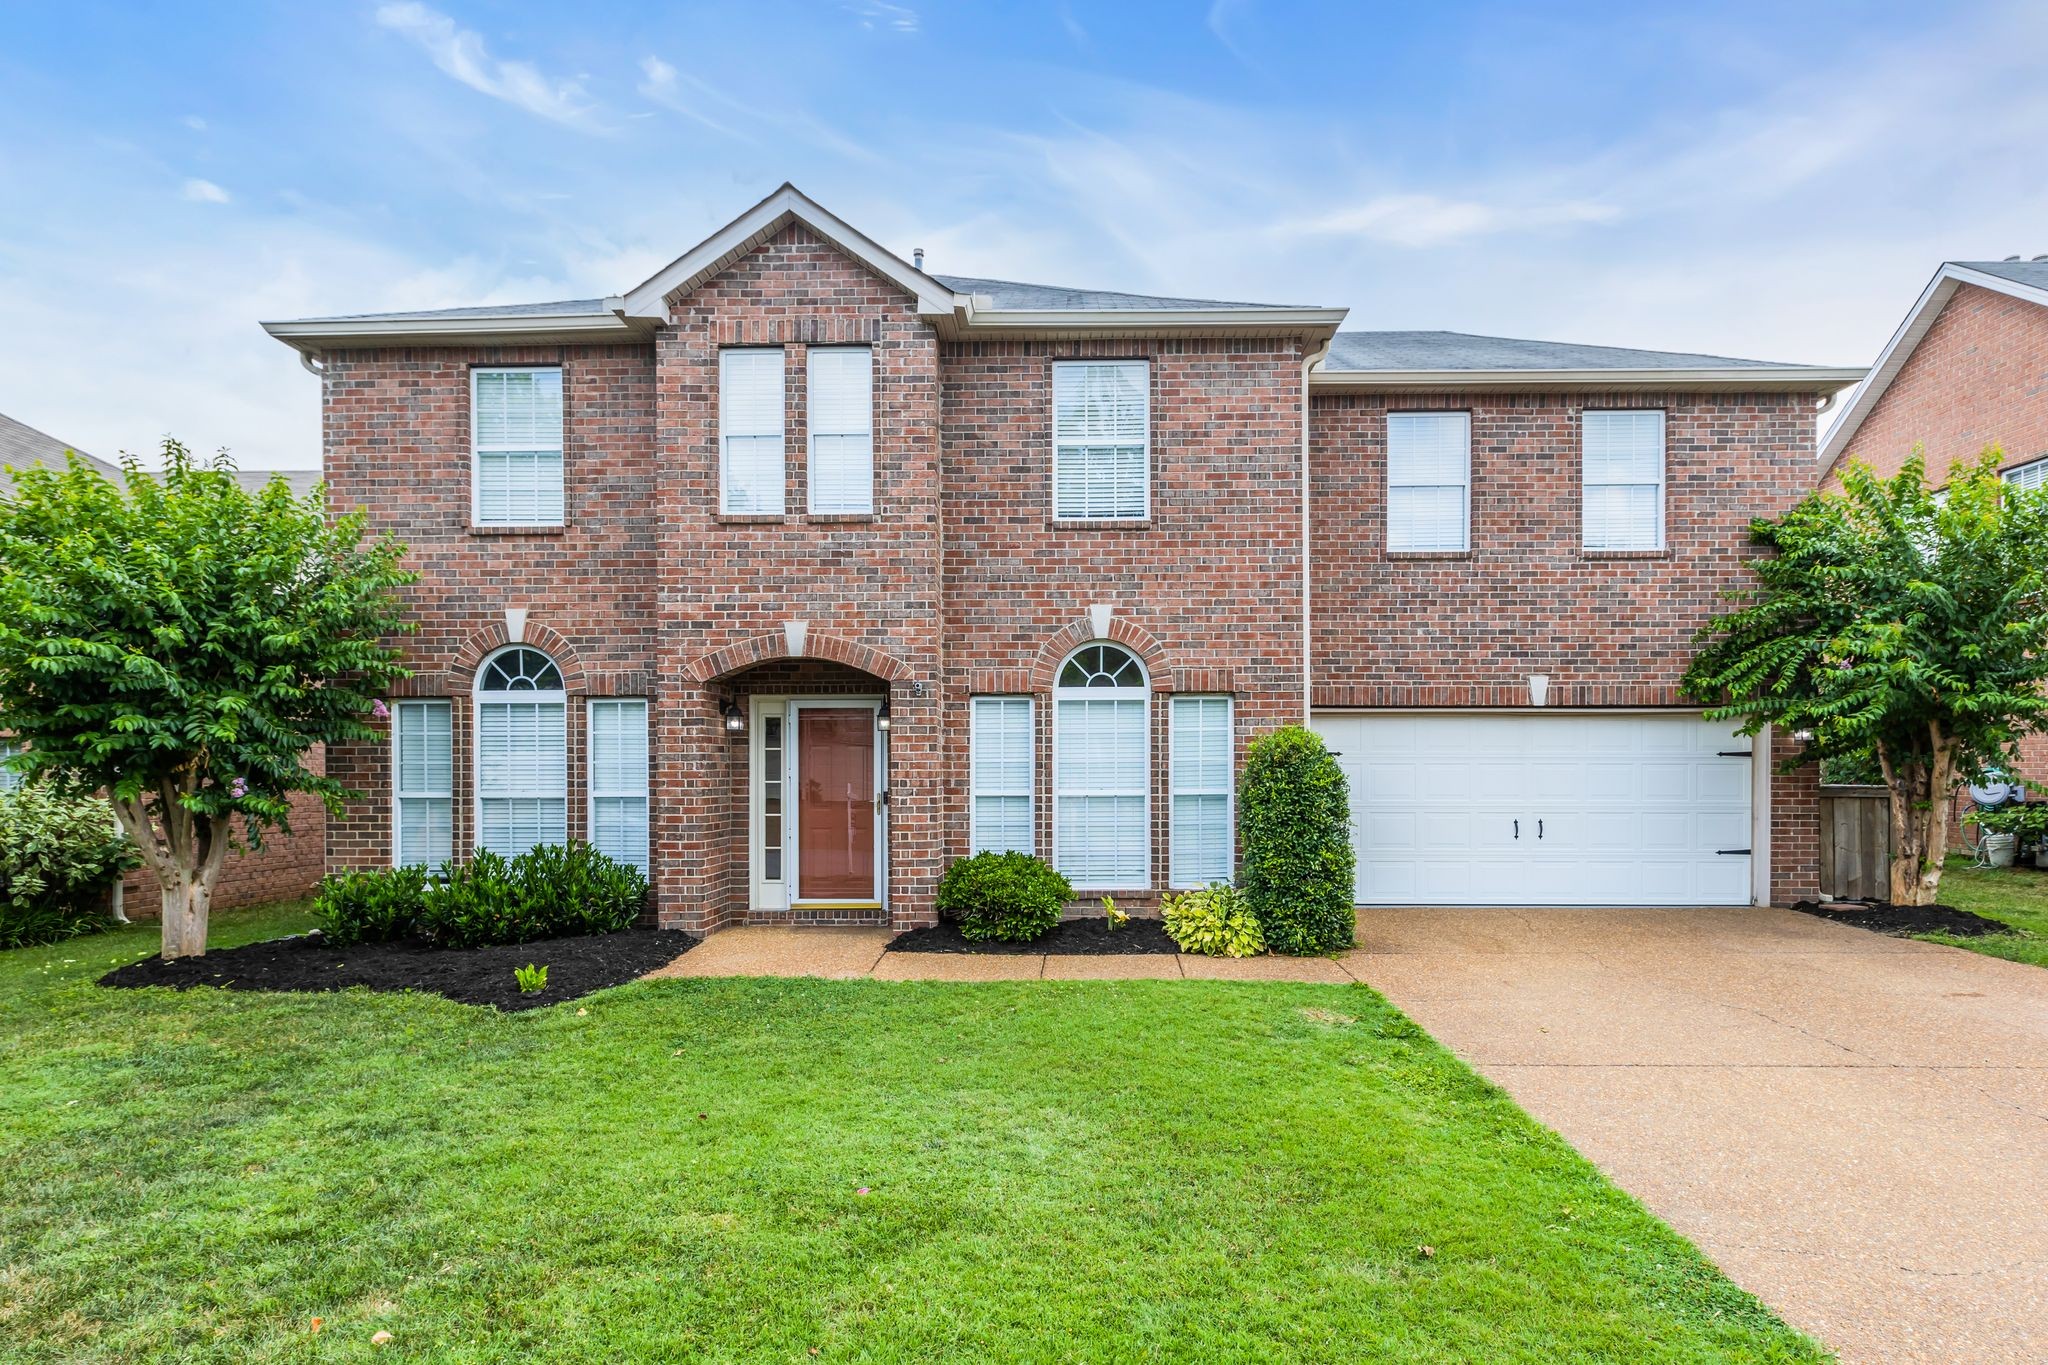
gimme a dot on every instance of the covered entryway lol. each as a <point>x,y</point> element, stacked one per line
<point>1551,808</point>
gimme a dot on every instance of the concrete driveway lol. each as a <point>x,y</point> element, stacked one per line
<point>1854,1127</point>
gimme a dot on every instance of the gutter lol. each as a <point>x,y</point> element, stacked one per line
<point>1794,378</point>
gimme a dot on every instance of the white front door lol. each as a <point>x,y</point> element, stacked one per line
<point>1558,808</point>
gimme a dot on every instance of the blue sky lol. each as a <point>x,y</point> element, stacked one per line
<point>1773,180</point>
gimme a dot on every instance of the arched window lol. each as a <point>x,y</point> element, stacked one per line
<point>522,752</point>
<point>1102,770</point>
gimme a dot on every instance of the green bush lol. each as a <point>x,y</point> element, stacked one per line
<point>1294,826</point>
<point>1009,896</point>
<point>1215,922</point>
<point>553,891</point>
<point>58,856</point>
<point>370,907</point>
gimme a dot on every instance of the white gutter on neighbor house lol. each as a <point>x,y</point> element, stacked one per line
<point>1774,378</point>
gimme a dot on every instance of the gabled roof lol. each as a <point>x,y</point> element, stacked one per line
<point>21,445</point>
<point>1363,361</point>
<point>2027,280</point>
<point>1012,296</point>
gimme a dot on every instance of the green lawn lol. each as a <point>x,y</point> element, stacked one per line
<point>2015,896</point>
<point>1055,1171</point>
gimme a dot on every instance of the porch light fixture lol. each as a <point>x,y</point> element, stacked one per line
<point>882,716</point>
<point>735,719</point>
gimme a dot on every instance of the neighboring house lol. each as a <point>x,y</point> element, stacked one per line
<point>289,865</point>
<point>796,572</point>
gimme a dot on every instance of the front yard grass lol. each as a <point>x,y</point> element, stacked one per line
<point>2014,896</point>
<point>757,1169</point>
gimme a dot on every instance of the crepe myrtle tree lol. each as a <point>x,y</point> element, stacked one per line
<point>1899,628</point>
<point>182,644</point>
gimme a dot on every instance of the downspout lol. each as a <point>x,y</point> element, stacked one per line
<point>313,367</point>
<point>1313,359</point>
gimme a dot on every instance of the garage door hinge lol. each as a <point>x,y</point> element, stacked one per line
<point>1731,850</point>
<point>1734,753</point>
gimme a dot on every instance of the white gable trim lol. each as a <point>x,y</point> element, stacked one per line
<point>761,222</point>
<point>1900,348</point>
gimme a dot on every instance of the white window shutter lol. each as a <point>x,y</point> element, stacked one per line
<point>842,415</point>
<point>517,439</point>
<point>1000,775</point>
<point>1101,439</point>
<point>1622,491</point>
<point>1202,843</point>
<point>750,411</point>
<point>618,779</point>
<point>1429,477</point>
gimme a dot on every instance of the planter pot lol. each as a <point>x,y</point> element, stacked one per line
<point>1999,849</point>
<point>2041,854</point>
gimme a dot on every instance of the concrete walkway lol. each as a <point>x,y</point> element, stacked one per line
<point>1854,1127</point>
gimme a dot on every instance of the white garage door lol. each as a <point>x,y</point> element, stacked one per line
<point>1455,808</point>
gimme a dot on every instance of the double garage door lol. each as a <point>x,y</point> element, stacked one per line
<point>1463,808</point>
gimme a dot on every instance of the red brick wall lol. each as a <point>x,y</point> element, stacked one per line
<point>285,868</point>
<point>1979,377</point>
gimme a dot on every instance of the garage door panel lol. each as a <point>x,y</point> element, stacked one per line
<point>1632,808</point>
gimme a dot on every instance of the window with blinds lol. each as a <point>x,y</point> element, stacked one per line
<point>1202,845</point>
<point>1101,458</point>
<point>423,783</point>
<point>522,764</point>
<point>1102,766</point>
<point>618,780</point>
<point>516,442</point>
<point>1429,481</point>
<point>2034,475</point>
<point>10,780</point>
<point>842,434</point>
<point>750,432</point>
<point>1623,490</point>
<point>1000,774</point>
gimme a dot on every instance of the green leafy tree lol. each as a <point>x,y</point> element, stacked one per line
<point>182,644</point>
<point>1897,628</point>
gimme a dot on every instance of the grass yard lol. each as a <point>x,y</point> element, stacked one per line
<point>2015,896</point>
<point>1145,1170</point>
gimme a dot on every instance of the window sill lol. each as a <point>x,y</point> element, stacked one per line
<point>1100,523</point>
<point>1429,554</point>
<point>837,518</point>
<point>750,518</point>
<point>1625,554</point>
<point>494,530</point>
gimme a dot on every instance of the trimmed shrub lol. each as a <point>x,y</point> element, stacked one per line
<point>58,856</point>
<point>370,907</point>
<point>1214,922</point>
<point>1009,896</point>
<point>1294,827</point>
<point>569,889</point>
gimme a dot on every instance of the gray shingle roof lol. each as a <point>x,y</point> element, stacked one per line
<point>300,481</point>
<point>1011,296</point>
<point>559,308</point>
<point>22,445</point>
<point>2034,273</point>
<point>1367,351</point>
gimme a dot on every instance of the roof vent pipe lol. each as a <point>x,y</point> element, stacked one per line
<point>917,258</point>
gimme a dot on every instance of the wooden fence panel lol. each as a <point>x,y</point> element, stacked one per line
<point>1855,842</point>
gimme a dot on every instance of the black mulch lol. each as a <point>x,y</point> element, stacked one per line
<point>1899,920</point>
<point>1077,937</point>
<point>473,976</point>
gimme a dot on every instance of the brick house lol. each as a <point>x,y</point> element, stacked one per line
<point>796,572</point>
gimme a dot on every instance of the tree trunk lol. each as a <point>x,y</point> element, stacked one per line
<point>186,851</point>
<point>1920,794</point>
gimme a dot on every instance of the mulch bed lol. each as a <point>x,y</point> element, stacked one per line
<point>473,976</point>
<point>1070,937</point>
<point>1900,920</point>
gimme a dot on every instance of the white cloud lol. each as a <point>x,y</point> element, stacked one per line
<point>687,95</point>
<point>204,192</point>
<point>194,122</point>
<point>460,53</point>
<point>881,14</point>
<point>665,86</point>
<point>1425,220</point>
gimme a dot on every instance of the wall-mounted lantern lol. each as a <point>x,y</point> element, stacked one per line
<point>882,716</point>
<point>735,719</point>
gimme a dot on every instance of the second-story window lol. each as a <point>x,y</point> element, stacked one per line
<point>516,440</point>
<point>842,422</point>
<point>1623,493</point>
<point>1101,440</point>
<point>1429,481</point>
<point>750,432</point>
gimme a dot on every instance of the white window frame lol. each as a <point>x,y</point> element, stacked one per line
<point>482,699</point>
<point>1663,484</point>
<point>10,780</point>
<point>400,709</point>
<point>1174,791</point>
<point>477,449</point>
<point>643,793</point>
<point>2032,474</point>
<point>813,433</point>
<point>1142,694</point>
<point>780,434</point>
<point>1059,367</point>
<point>1464,418</point>
<point>974,791</point>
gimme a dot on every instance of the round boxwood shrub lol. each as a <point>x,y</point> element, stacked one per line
<point>1294,829</point>
<point>1009,896</point>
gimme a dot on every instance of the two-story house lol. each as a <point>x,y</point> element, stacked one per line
<point>797,571</point>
